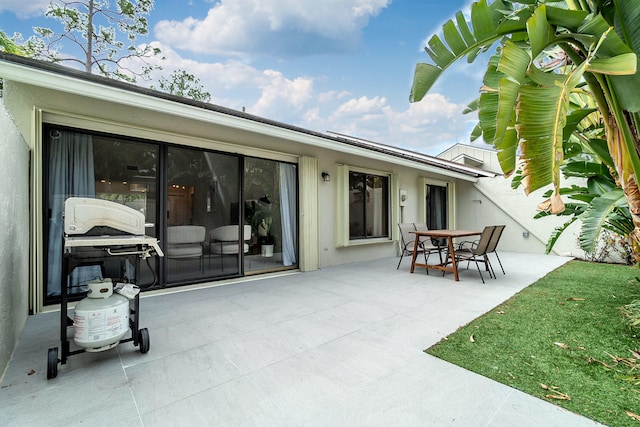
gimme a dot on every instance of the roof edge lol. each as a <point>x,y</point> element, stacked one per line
<point>395,152</point>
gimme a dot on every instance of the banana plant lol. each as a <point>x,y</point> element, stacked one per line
<point>525,105</point>
<point>599,204</point>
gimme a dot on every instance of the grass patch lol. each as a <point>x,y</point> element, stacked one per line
<point>564,340</point>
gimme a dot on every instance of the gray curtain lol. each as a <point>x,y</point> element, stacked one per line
<point>70,174</point>
<point>288,204</point>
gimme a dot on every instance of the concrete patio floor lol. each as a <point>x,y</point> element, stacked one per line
<point>342,346</point>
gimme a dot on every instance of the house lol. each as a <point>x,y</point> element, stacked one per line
<point>306,199</point>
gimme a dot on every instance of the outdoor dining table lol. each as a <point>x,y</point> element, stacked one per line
<point>441,234</point>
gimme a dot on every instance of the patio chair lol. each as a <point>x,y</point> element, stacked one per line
<point>477,252</point>
<point>407,241</point>
<point>224,241</point>
<point>432,245</point>
<point>186,241</point>
<point>495,238</point>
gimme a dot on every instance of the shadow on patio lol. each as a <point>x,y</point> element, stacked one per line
<point>339,346</point>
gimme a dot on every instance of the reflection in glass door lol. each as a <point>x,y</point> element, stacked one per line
<point>202,237</point>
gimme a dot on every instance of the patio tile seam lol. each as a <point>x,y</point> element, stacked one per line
<point>500,405</point>
<point>130,388</point>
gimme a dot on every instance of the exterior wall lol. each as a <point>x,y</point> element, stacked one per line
<point>327,194</point>
<point>164,121</point>
<point>495,199</point>
<point>14,235</point>
<point>492,201</point>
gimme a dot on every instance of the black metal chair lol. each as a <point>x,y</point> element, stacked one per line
<point>407,241</point>
<point>477,251</point>
<point>493,244</point>
<point>407,244</point>
<point>431,245</point>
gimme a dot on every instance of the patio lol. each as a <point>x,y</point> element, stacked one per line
<point>339,346</point>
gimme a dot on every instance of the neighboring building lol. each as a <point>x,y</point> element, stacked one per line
<point>471,155</point>
<point>319,199</point>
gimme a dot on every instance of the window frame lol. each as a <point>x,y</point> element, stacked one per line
<point>343,238</point>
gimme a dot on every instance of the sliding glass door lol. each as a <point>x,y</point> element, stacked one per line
<point>215,214</point>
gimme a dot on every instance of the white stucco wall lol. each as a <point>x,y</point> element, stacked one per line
<point>408,180</point>
<point>14,236</point>
<point>492,201</point>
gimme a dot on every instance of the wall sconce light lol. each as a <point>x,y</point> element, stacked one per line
<point>525,234</point>
<point>326,177</point>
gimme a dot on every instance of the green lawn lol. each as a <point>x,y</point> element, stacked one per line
<point>562,339</point>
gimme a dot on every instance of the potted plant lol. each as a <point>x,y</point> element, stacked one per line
<point>265,238</point>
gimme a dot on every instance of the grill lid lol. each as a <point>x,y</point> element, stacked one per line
<point>87,216</point>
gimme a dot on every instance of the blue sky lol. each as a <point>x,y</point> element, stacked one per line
<point>344,66</point>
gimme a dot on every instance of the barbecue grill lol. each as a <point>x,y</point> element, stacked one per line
<point>94,231</point>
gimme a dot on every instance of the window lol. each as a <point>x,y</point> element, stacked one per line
<point>368,206</point>
<point>437,205</point>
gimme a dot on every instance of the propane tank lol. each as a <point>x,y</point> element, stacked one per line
<point>100,320</point>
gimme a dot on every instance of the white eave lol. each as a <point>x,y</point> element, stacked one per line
<point>41,74</point>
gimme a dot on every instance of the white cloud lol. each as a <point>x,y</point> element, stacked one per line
<point>24,9</point>
<point>278,91</point>
<point>360,107</point>
<point>428,126</point>
<point>332,95</point>
<point>234,84</point>
<point>277,27</point>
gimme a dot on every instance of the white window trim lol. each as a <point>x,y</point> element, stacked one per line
<point>342,206</point>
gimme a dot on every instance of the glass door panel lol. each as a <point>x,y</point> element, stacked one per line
<point>437,207</point>
<point>86,165</point>
<point>271,211</point>
<point>202,204</point>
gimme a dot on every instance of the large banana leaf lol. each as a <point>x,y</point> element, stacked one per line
<point>627,25</point>
<point>600,215</point>
<point>542,116</point>
<point>489,23</point>
<point>522,105</point>
<point>557,232</point>
<point>487,27</point>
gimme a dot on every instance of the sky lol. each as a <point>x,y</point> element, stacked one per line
<point>342,66</point>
